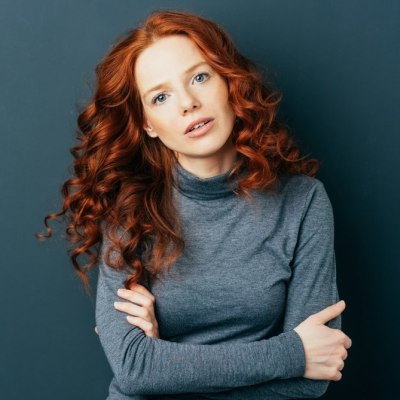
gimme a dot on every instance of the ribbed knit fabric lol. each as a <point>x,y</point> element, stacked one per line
<point>249,274</point>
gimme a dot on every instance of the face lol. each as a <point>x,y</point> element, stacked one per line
<point>184,93</point>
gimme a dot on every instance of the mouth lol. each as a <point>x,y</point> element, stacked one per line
<point>197,124</point>
<point>200,129</point>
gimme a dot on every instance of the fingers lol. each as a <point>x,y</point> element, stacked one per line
<point>131,309</point>
<point>330,312</point>
<point>140,303</point>
<point>140,307</point>
<point>347,342</point>
<point>96,329</point>
<point>338,376</point>
<point>137,297</point>
<point>148,328</point>
<point>142,290</point>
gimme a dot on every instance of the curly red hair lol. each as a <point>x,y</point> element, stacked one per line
<point>123,179</point>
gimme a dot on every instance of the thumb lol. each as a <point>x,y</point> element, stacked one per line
<point>330,312</point>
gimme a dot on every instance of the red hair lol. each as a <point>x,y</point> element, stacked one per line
<point>123,179</point>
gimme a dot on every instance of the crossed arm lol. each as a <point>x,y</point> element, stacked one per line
<point>270,369</point>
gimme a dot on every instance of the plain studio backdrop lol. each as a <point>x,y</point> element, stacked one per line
<point>337,64</point>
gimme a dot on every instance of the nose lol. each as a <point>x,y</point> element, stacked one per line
<point>188,101</point>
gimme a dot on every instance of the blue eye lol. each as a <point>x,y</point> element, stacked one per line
<point>154,101</point>
<point>203,73</point>
<point>199,78</point>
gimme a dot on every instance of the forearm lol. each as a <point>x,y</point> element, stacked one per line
<point>278,389</point>
<point>145,365</point>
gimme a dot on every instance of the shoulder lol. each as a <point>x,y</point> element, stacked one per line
<point>305,192</point>
<point>296,197</point>
<point>299,186</point>
<point>310,194</point>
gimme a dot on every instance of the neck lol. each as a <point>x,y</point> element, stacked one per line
<point>207,167</point>
<point>214,187</point>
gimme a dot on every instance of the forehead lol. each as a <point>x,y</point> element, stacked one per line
<point>164,60</point>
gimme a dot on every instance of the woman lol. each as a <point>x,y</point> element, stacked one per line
<point>217,230</point>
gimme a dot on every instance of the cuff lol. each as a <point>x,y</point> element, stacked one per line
<point>295,354</point>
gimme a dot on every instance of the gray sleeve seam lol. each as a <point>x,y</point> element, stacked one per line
<point>306,200</point>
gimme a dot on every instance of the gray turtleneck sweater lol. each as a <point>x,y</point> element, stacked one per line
<point>249,274</point>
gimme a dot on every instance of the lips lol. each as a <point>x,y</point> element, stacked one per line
<point>198,121</point>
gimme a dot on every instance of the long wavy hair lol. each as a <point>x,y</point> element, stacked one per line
<point>122,183</point>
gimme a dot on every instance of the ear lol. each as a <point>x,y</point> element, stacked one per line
<point>149,130</point>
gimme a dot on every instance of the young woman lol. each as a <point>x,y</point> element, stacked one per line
<point>201,210</point>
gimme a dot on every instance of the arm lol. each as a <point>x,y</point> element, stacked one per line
<point>311,289</point>
<point>146,365</point>
<point>313,285</point>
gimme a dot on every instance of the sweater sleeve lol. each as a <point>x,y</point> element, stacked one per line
<point>312,288</point>
<point>146,365</point>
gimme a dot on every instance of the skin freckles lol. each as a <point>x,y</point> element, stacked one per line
<point>184,96</point>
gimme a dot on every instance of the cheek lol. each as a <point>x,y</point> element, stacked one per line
<point>160,121</point>
<point>221,96</point>
<point>167,129</point>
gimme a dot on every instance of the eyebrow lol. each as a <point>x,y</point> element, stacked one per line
<point>164,83</point>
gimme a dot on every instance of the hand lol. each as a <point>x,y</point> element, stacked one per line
<point>141,313</point>
<point>325,348</point>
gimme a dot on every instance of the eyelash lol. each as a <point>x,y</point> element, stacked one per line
<point>153,101</point>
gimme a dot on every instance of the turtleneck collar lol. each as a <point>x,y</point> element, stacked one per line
<point>203,188</point>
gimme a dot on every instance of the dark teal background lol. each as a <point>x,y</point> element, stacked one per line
<point>337,64</point>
